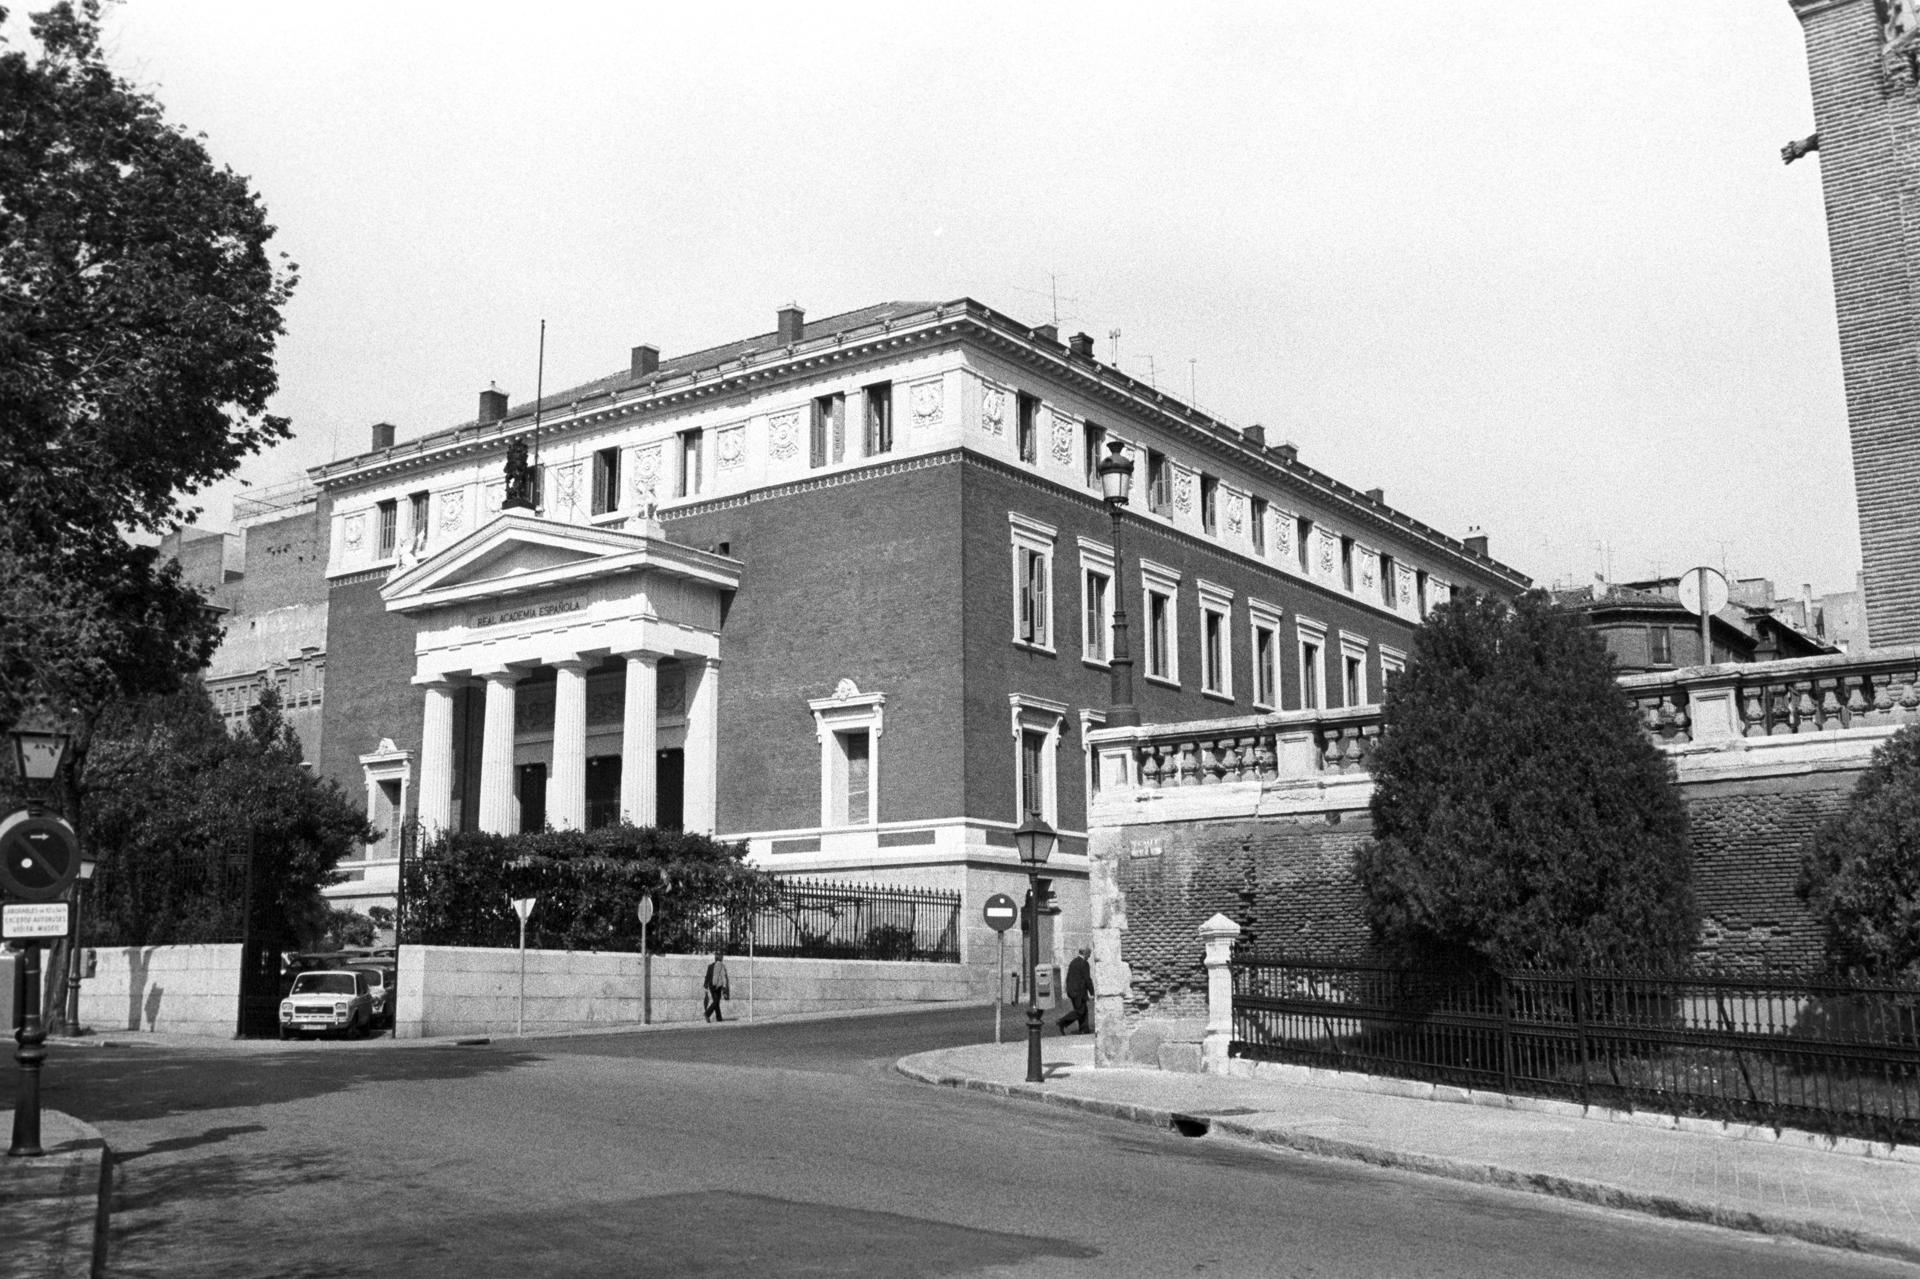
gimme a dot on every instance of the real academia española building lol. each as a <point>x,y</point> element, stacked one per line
<point>842,591</point>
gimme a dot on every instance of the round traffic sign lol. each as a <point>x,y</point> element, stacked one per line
<point>646,910</point>
<point>39,856</point>
<point>1001,912</point>
<point>1703,591</point>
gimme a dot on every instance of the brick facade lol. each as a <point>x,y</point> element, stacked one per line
<point>1867,107</point>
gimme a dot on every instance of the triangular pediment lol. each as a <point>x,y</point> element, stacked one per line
<point>517,551</point>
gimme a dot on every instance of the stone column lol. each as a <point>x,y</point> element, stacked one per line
<point>436,758</point>
<point>700,803</point>
<point>499,814</point>
<point>1219,933</point>
<point>567,782</point>
<point>640,740</point>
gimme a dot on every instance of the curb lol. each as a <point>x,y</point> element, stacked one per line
<point>65,1196</point>
<point>1598,1194</point>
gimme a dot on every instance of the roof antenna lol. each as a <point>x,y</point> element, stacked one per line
<point>539,393</point>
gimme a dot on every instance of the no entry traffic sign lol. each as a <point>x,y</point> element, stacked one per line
<point>1001,912</point>
<point>39,856</point>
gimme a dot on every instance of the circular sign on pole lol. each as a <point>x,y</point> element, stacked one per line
<point>39,856</point>
<point>1703,591</point>
<point>646,909</point>
<point>1001,912</point>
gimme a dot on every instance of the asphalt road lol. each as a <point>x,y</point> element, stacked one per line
<point>772,1150</point>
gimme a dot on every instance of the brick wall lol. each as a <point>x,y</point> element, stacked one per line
<point>1869,163</point>
<point>1287,879</point>
<point>369,690</point>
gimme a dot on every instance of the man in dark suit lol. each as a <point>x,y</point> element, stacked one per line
<point>1080,992</point>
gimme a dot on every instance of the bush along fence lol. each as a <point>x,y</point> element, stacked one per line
<point>1809,1052</point>
<point>456,890</point>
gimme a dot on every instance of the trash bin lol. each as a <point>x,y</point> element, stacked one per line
<point>1046,983</point>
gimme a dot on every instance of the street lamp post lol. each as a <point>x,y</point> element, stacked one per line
<point>87,867</point>
<point>1035,840</point>
<point>36,760</point>
<point>1116,483</point>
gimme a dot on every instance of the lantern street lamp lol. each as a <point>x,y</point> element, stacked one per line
<point>1116,483</point>
<point>1035,840</point>
<point>37,754</point>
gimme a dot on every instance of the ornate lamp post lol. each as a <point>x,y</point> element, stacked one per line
<point>36,757</point>
<point>1035,840</point>
<point>1116,483</point>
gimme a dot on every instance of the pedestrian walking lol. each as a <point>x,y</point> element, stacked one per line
<point>1080,992</point>
<point>716,985</point>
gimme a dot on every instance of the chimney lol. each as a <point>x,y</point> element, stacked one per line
<point>1287,453</point>
<point>646,360</point>
<point>493,405</point>
<point>1255,435</point>
<point>382,435</point>
<point>793,323</point>
<point>1047,333</point>
<point>1476,541</point>
<point>1081,345</point>
<point>1377,496</point>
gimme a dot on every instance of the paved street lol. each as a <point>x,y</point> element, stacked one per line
<point>789,1149</point>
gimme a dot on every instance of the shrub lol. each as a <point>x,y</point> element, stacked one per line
<point>1861,873</point>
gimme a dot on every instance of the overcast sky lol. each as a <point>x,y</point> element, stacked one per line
<point>1529,266</point>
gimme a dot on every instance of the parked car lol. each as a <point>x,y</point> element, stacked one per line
<point>327,1001</point>
<point>380,979</point>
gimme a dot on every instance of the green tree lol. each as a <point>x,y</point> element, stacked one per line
<point>1520,815</point>
<point>1861,873</point>
<point>139,308</point>
<point>180,806</point>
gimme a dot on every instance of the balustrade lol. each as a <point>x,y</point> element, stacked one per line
<point>1701,705</point>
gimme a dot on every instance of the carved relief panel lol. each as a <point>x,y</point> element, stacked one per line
<point>783,434</point>
<point>1062,437</point>
<point>993,411</point>
<point>567,484</point>
<point>1236,513</point>
<point>1327,553</point>
<point>928,402</point>
<point>730,446</point>
<point>453,509</point>
<point>1182,489</point>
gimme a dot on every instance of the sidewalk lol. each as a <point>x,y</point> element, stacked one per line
<point>53,1208</point>
<point>1639,1163</point>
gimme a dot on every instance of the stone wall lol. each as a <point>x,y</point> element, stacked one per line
<point>459,990</point>
<point>177,990</point>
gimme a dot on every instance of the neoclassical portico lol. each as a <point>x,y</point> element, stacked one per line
<point>522,600</point>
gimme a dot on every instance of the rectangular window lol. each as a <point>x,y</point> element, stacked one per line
<point>1159,483</point>
<point>1346,563</point>
<point>827,437</point>
<point>854,748</point>
<point>1310,676</point>
<point>1098,623</point>
<point>1355,669</point>
<point>1389,584</point>
<point>389,526</point>
<point>606,480</point>
<point>689,463</point>
<point>1660,646</point>
<point>1027,427</point>
<point>1420,593</point>
<point>1033,544</point>
<point>879,436</point>
<point>1257,524</point>
<point>1303,542</point>
<point>1093,446</point>
<point>1159,635</point>
<point>1209,505</point>
<point>1033,773</point>
<point>1034,613</point>
<point>1266,655</point>
<point>417,525</point>
<point>1393,663</point>
<point>1213,651</point>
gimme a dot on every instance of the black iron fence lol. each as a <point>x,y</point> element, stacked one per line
<point>824,919</point>
<point>1807,1052</point>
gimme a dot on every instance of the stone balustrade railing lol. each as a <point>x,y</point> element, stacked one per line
<point>1246,748</point>
<point>1697,705</point>
<point>1704,704</point>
